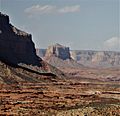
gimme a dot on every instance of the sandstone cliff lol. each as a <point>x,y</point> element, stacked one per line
<point>59,51</point>
<point>59,56</point>
<point>16,46</point>
<point>97,58</point>
<point>92,58</point>
<point>18,49</point>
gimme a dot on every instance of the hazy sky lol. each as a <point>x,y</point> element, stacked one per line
<point>80,24</point>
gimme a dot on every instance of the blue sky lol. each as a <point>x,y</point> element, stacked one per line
<point>79,24</point>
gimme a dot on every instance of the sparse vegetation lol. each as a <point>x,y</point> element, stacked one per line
<point>40,95</point>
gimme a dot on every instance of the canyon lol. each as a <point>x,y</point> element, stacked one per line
<point>55,84</point>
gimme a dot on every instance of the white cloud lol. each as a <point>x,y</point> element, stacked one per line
<point>70,9</point>
<point>112,43</point>
<point>48,9</point>
<point>38,9</point>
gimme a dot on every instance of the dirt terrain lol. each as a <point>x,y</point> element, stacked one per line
<point>100,74</point>
<point>26,93</point>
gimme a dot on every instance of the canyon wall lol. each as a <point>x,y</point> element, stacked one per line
<point>16,46</point>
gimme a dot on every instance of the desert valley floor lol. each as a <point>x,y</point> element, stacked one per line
<point>26,93</point>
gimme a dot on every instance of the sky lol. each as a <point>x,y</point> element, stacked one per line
<point>78,24</point>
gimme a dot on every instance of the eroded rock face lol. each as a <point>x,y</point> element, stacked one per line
<point>59,51</point>
<point>59,56</point>
<point>16,46</point>
<point>97,58</point>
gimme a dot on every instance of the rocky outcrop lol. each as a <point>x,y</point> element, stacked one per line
<point>97,58</point>
<point>92,58</point>
<point>59,51</point>
<point>59,56</point>
<point>17,49</point>
<point>16,46</point>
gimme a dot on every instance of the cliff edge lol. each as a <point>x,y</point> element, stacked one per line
<point>16,46</point>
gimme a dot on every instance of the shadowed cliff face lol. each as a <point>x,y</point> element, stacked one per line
<point>16,46</point>
<point>59,51</point>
